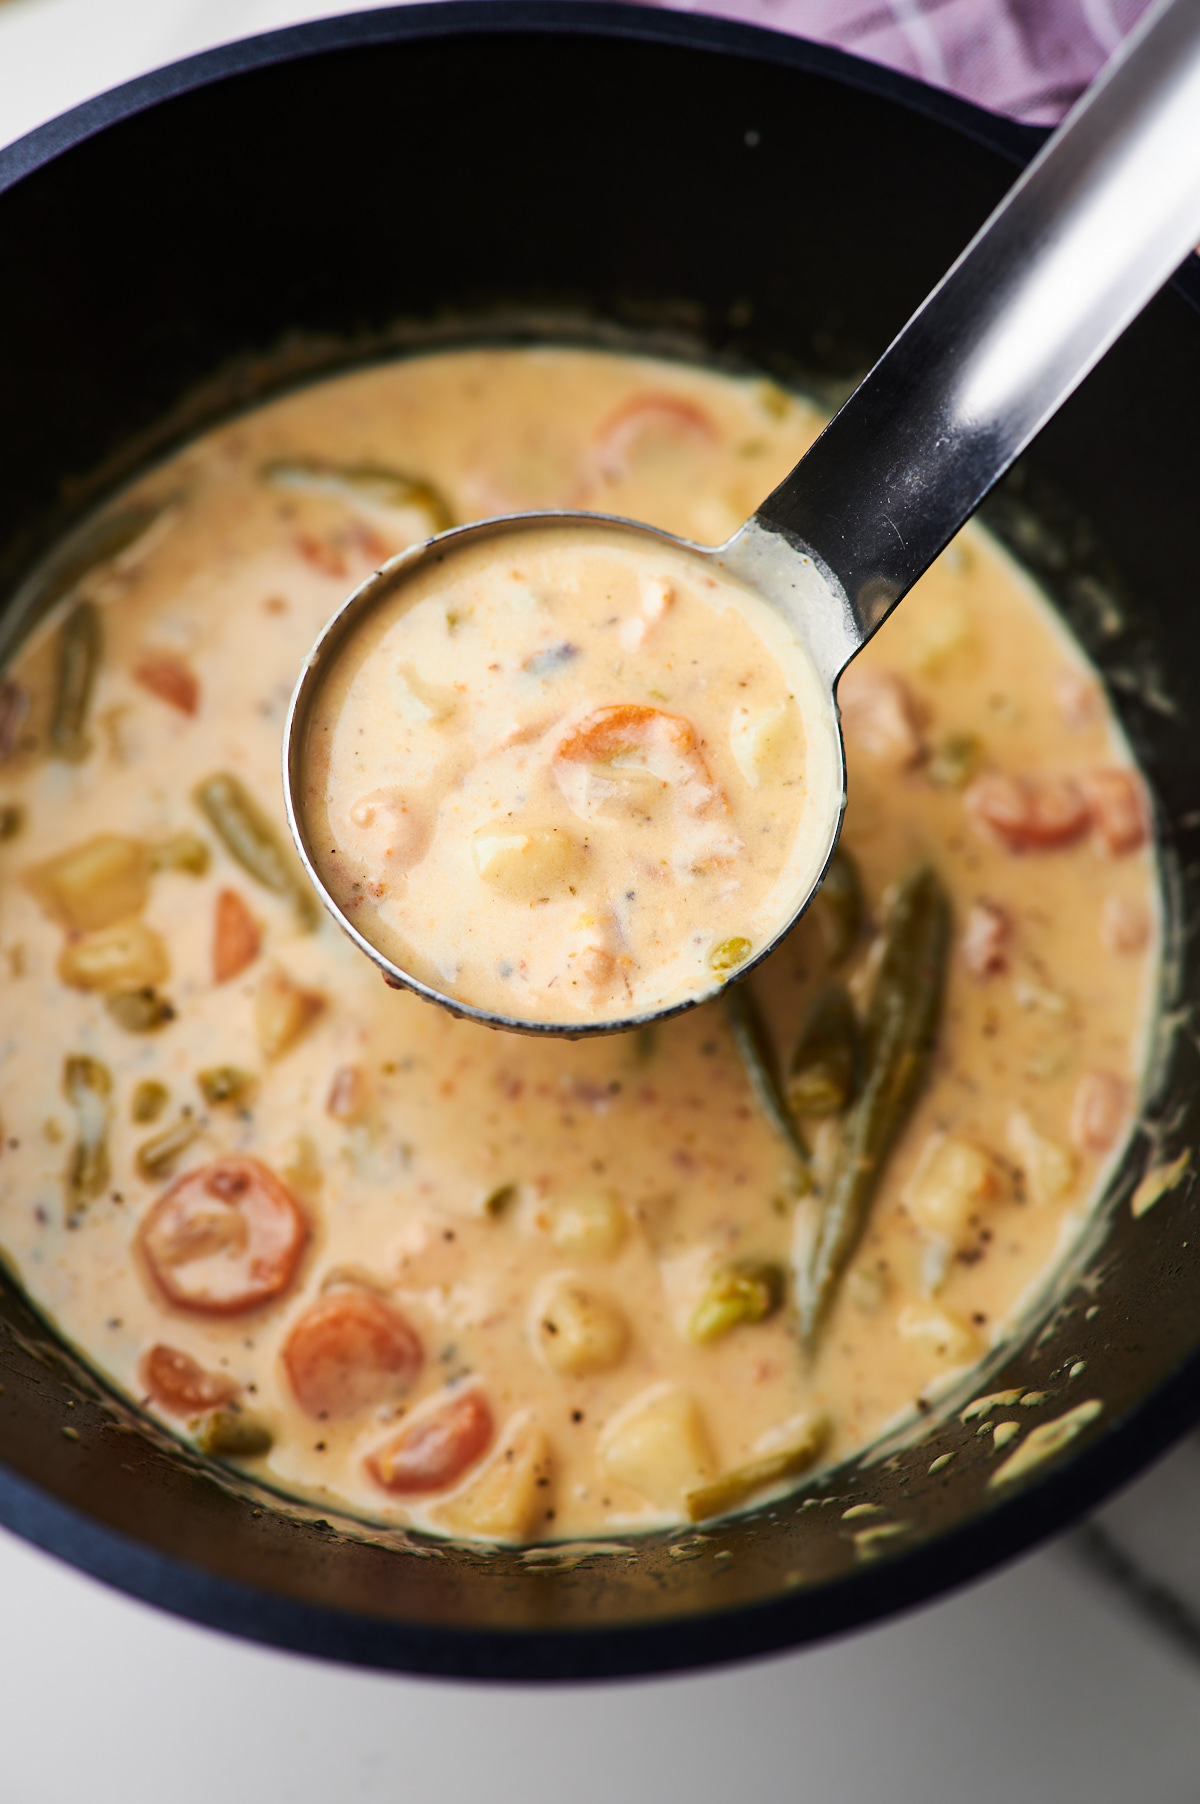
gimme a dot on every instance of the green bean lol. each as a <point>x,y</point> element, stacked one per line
<point>843,908</point>
<point>372,483</point>
<point>157,1157</point>
<point>754,1048</point>
<point>823,1074</point>
<point>748,1290</point>
<point>729,955</point>
<point>233,1433</point>
<point>87,1085</point>
<point>182,852</point>
<point>80,645</point>
<point>500,1201</point>
<point>140,1011</point>
<point>733,1488</point>
<point>249,837</point>
<point>99,543</point>
<point>225,1084</point>
<point>149,1100</point>
<point>955,761</point>
<point>899,1037</point>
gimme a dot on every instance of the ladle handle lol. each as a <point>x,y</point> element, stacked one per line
<point>1099,221</point>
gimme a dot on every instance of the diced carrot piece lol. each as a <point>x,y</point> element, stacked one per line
<point>1119,813</point>
<point>224,1238</point>
<point>349,1351</point>
<point>236,937</point>
<point>436,1448</point>
<point>179,1383</point>
<point>321,554</point>
<point>170,679</point>
<point>1030,813</point>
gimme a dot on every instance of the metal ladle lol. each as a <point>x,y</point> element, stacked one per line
<point>1095,226</point>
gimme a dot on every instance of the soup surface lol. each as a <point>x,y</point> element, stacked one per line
<point>569,775</point>
<point>486,1284</point>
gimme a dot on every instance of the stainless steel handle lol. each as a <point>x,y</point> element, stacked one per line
<point>1099,221</point>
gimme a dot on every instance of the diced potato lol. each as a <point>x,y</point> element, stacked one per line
<point>952,1181</point>
<point>588,1226</point>
<point>509,1499</point>
<point>937,625</point>
<point>658,1446</point>
<point>283,1013</point>
<point>946,1334</point>
<point>1048,1167</point>
<point>94,885</point>
<point>129,956</point>
<point>764,741</point>
<point>575,1331</point>
<point>525,866</point>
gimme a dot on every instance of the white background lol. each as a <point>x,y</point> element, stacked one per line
<point>1042,1683</point>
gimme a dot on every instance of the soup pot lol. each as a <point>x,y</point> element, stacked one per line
<point>264,212</point>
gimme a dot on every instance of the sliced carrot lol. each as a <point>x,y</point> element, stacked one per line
<point>236,937</point>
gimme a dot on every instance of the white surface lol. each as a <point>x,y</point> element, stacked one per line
<point>1032,1686</point>
<point>1040,1684</point>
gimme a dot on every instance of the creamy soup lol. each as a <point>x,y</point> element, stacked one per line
<point>570,775</point>
<point>477,1282</point>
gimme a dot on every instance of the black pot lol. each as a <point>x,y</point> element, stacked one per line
<point>264,211</point>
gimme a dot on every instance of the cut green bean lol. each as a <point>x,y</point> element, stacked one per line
<point>745,1291</point>
<point>149,1100</point>
<point>249,837</point>
<point>233,1433</point>
<point>729,955</point>
<point>182,852</point>
<point>758,1058</point>
<point>99,543</point>
<point>955,761</point>
<point>899,1037</point>
<point>823,1074</point>
<point>737,1487</point>
<point>373,483</point>
<point>140,1011</point>
<point>843,909</point>
<point>80,646</point>
<point>157,1157</point>
<point>87,1085</point>
<point>225,1084</point>
<point>500,1201</point>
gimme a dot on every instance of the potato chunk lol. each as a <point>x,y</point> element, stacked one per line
<point>658,1446</point>
<point>510,1498</point>
<point>953,1178</point>
<point>576,1331</point>
<point>1048,1167</point>
<point>587,1226</point>
<point>95,884</point>
<point>525,866</point>
<point>129,956</point>
<point>283,1012</point>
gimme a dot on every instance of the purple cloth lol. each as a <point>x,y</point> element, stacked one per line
<point>1028,58</point>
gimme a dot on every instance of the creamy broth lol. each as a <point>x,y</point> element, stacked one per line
<point>571,775</point>
<point>472,1281</point>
